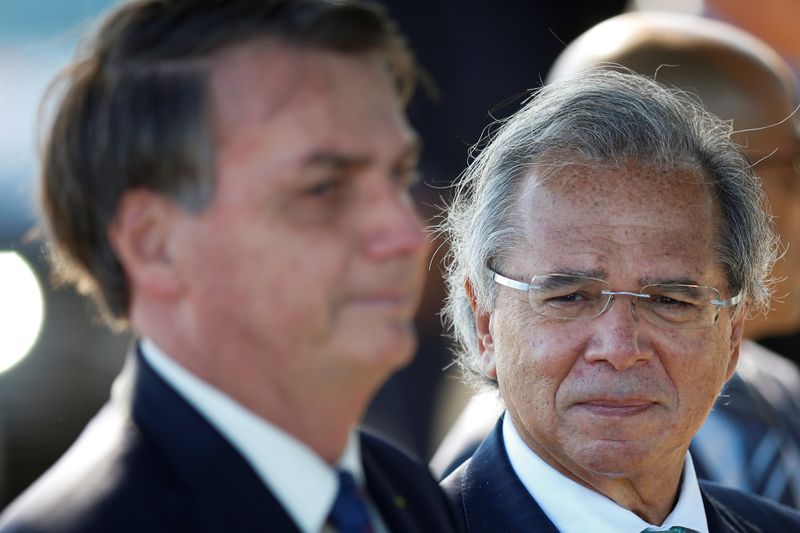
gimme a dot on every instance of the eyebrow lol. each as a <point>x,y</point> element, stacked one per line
<point>591,273</point>
<point>344,161</point>
<point>550,283</point>
<point>669,281</point>
<point>336,160</point>
<point>601,274</point>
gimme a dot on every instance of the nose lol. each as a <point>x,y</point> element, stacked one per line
<point>618,337</point>
<point>393,227</point>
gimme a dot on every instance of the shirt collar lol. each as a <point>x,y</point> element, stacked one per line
<point>303,483</point>
<point>558,495</point>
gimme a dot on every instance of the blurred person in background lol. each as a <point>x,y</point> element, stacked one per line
<point>776,22</point>
<point>751,439</point>
<point>230,180</point>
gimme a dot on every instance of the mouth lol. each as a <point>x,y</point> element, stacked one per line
<point>382,298</point>
<point>386,302</point>
<point>616,408</point>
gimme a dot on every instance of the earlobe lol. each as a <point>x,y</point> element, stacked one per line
<point>483,329</point>
<point>140,235</point>
<point>483,324</point>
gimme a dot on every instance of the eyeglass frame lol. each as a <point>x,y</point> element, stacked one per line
<point>527,287</point>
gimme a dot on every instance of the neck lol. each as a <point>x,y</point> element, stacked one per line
<point>319,413</point>
<point>318,410</point>
<point>320,416</point>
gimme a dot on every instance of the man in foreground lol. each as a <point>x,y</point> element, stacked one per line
<point>231,180</point>
<point>751,439</point>
<point>607,245</point>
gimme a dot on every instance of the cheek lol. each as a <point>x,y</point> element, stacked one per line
<point>269,275</point>
<point>696,364</point>
<point>532,365</point>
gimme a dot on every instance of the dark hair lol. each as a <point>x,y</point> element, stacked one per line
<point>134,112</point>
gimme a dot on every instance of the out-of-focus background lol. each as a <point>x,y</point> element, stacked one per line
<point>57,360</point>
<point>67,360</point>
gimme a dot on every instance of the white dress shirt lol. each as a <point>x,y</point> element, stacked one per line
<point>302,482</point>
<point>574,508</point>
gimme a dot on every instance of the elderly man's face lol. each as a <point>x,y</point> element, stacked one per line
<point>612,396</point>
<point>309,261</point>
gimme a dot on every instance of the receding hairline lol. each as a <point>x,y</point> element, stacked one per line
<point>282,67</point>
<point>252,84</point>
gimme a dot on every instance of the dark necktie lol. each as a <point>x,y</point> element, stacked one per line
<point>349,512</point>
<point>673,529</point>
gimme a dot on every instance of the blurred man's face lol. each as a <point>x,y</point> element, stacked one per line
<point>310,258</point>
<point>614,396</point>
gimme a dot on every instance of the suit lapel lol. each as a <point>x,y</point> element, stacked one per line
<point>385,495</point>
<point>220,486</point>
<point>494,499</point>
<point>494,496</point>
<point>721,518</point>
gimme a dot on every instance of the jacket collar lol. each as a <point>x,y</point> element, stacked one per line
<point>225,492</point>
<point>493,497</point>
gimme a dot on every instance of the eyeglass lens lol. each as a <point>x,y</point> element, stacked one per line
<point>570,297</point>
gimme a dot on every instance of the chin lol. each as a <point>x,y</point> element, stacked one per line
<point>394,350</point>
<point>373,341</point>
<point>616,459</point>
<point>402,347</point>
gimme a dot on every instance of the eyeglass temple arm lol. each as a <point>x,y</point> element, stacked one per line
<point>508,282</point>
<point>728,303</point>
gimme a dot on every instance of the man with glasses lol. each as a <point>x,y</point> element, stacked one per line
<point>606,247</point>
<point>751,439</point>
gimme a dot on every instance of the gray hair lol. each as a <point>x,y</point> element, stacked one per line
<point>604,117</point>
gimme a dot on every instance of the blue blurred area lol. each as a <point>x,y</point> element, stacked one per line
<point>36,19</point>
<point>36,38</point>
<point>48,397</point>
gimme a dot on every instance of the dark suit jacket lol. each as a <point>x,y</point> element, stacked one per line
<point>491,498</point>
<point>150,463</point>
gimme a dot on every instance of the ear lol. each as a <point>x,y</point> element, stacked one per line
<point>140,235</point>
<point>483,327</point>
<point>737,329</point>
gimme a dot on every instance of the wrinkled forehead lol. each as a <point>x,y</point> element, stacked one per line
<point>658,222</point>
<point>585,182</point>
<point>597,197</point>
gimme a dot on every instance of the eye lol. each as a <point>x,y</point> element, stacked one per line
<point>568,299</point>
<point>325,188</point>
<point>667,301</point>
<point>406,177</point>
<point>572,297</point>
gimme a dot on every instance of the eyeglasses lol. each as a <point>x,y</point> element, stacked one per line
<point>570,297</point>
